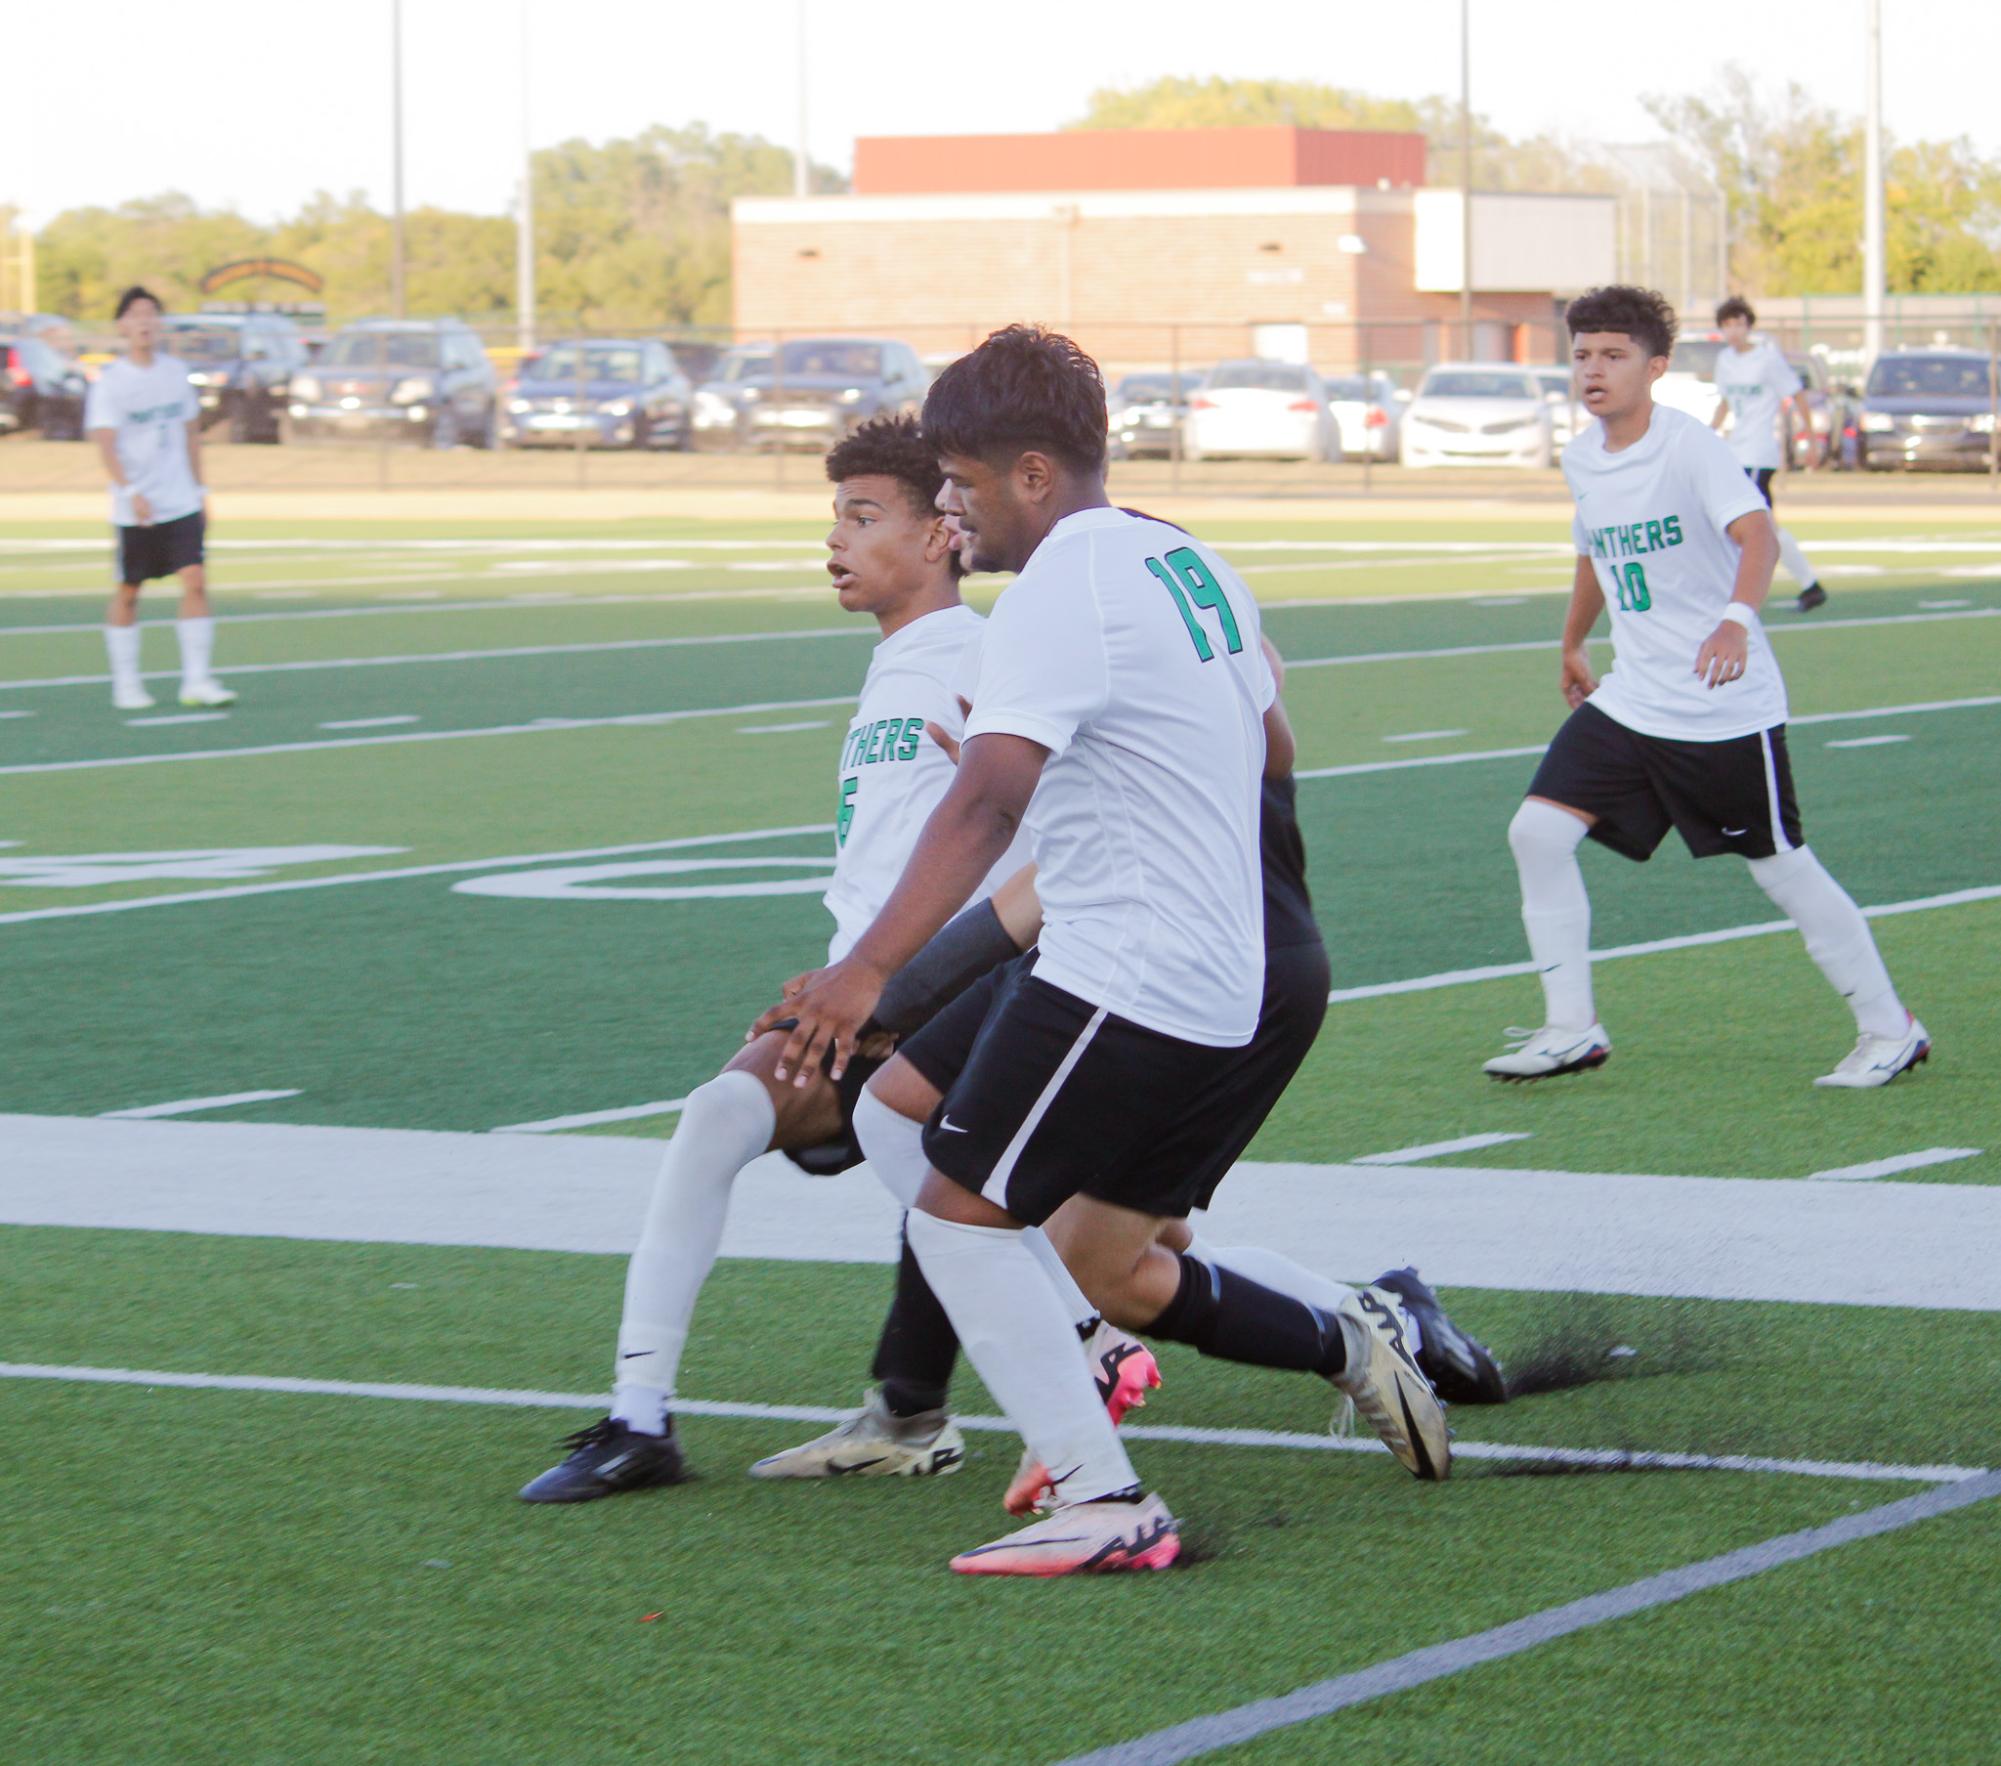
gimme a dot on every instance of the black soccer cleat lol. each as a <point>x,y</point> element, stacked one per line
<point>608,1459</point>
<point>1812,596</point>
<point>1461,1369</point>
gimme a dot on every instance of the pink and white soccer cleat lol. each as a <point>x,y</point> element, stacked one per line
<point>1126,1371</point>
<point>1084,1536</point>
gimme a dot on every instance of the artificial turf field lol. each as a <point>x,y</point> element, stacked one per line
<point>516,828</point>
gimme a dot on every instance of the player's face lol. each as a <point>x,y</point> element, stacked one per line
<point>1615,375</point>
<point>1736,331</point>
<point>880,550</point>
<point>141,325</point>
<point>990,519</point>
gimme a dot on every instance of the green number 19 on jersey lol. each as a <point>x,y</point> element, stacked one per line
<point>1187,579</point>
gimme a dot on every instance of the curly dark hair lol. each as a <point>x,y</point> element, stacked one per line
<point>1024,387</point>
<point>890,447</point>
<point>1641,313</point>
<point>132,297</point>
<point>1736,307</point>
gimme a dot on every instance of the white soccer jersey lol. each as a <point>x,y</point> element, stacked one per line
<point>150,408</point>
<point>892,774</point>
<point>1130,651</point>
<point>1651,519</point>
<point>1755,384</point>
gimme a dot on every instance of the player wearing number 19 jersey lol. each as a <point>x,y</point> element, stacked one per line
<point>1687,729</point>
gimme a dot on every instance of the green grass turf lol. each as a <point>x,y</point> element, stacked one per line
<point>350,1579</point>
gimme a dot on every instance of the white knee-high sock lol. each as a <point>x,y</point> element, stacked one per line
<point>724,1126</point>
<point>1837,937</point>
<point>1075,1301</point>
<point>894,1145</point>
<point>1556,912</point>
<point>1011,1326</point>
<point>1795,562</point>
<point>197,638</point>
<point>121,648</point>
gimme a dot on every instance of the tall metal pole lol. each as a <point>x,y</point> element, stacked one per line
<point>1466,177</point>
<point>396,139</point>
<point>1872,192</point>
<point>800,185</point>
<point>524,220</point>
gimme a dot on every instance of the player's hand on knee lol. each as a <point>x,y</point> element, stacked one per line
<point>830,1010</point>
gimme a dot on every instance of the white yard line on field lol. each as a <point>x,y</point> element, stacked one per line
<point>1653,947</point>
<point>372,723</point>
<point>811,723</point>
<point>1469,1143</point>
<point>1890,1167</point>
<point>454,867</point>
<point>1868,742</point>
<point>1227,1729</point>
<point>193,1106</point>
<point>1424,736</point>
<point>594,1118</point>
<point>1608,1459</point>
<point>179,717</point>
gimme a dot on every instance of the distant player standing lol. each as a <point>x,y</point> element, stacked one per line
<point>1758,390</point>
<point>1687,731</point>
<point>144,415</point>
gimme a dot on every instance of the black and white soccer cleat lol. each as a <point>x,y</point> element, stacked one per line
<point>608,1459</point>
<point>1461,1369</point>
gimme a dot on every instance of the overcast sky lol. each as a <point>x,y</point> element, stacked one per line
<point>255,106</point>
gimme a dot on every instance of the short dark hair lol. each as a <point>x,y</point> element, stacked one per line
<point>132,296</point>
<point>1736,307</point>
<point>893,447</point>
<point>1641,313</point>
<point>1024,387</point>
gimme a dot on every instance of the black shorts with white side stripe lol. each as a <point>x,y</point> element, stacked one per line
<point>1058,1097</point>
<point>1730,796</point>
<point>1762,476</point>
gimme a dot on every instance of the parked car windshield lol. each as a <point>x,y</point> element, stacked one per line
<point>1258,376</point>
<point>382,349</point>
<point>853,361</point>
<point>1697,356</point>
<point>568,362</point>
<point>1928,377</point>
<point>1349,389</point>
<point>1153,389</point>
<point>202,343</point>
<point>742,367</point>
<point>1475,383</point>
<point>1554,380</point>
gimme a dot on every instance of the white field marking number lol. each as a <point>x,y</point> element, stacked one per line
<point>606,882</point>
<point>208,864</point>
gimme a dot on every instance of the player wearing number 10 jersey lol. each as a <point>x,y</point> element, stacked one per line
<point>1687,730</point>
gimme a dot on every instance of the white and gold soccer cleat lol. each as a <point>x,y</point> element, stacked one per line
<point>1876,1060</point>
<point>1385,1384</point>
<point>874,1443</point>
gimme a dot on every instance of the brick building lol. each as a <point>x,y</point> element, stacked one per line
<point>1165,247</point>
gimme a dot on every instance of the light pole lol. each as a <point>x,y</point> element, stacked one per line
<point>1872,191</point>
<point>396,154</point>
<point>1466,177</point>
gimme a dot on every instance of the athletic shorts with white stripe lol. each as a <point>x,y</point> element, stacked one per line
<point>1059,1098</point>
<point>1730,796</point>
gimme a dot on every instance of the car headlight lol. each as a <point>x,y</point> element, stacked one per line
<point>518,407</point>
<point>852,396</point>
<point>616,408</point>
<point>305,388</point>
<point>1878,422</point>
<point>1983,422</point>
<point>408,392</point>
<point>750,395</point>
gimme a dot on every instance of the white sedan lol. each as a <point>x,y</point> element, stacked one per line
<point>1270,409</point>
<point>1478,414</point>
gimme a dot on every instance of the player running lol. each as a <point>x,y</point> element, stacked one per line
<point>1687,731</point>
<point>1122,686</point>
<point>1758,389</point>
<point>890,556</point>
<point>937,1003</point>
<point>145,417</point>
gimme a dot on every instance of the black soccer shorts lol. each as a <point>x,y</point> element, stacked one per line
<point>1730,796</point>
<point>1761,476</point>
<point>164,549</point>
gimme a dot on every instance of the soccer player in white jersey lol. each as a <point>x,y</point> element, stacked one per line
<point>1687,729</point>
<point>1122,688</point>
<point>1758,389</point>
<point>145,417</point>
<point>889,556</point>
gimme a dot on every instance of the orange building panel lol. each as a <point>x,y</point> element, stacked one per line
<point>1135,159</point>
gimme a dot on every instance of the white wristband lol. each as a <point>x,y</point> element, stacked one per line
<point>1740,614</point>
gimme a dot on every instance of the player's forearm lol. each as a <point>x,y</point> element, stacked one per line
<point>1757,558</point>
<point>1587,601</point>
<point>194,454</point>
<point>107,451</point>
